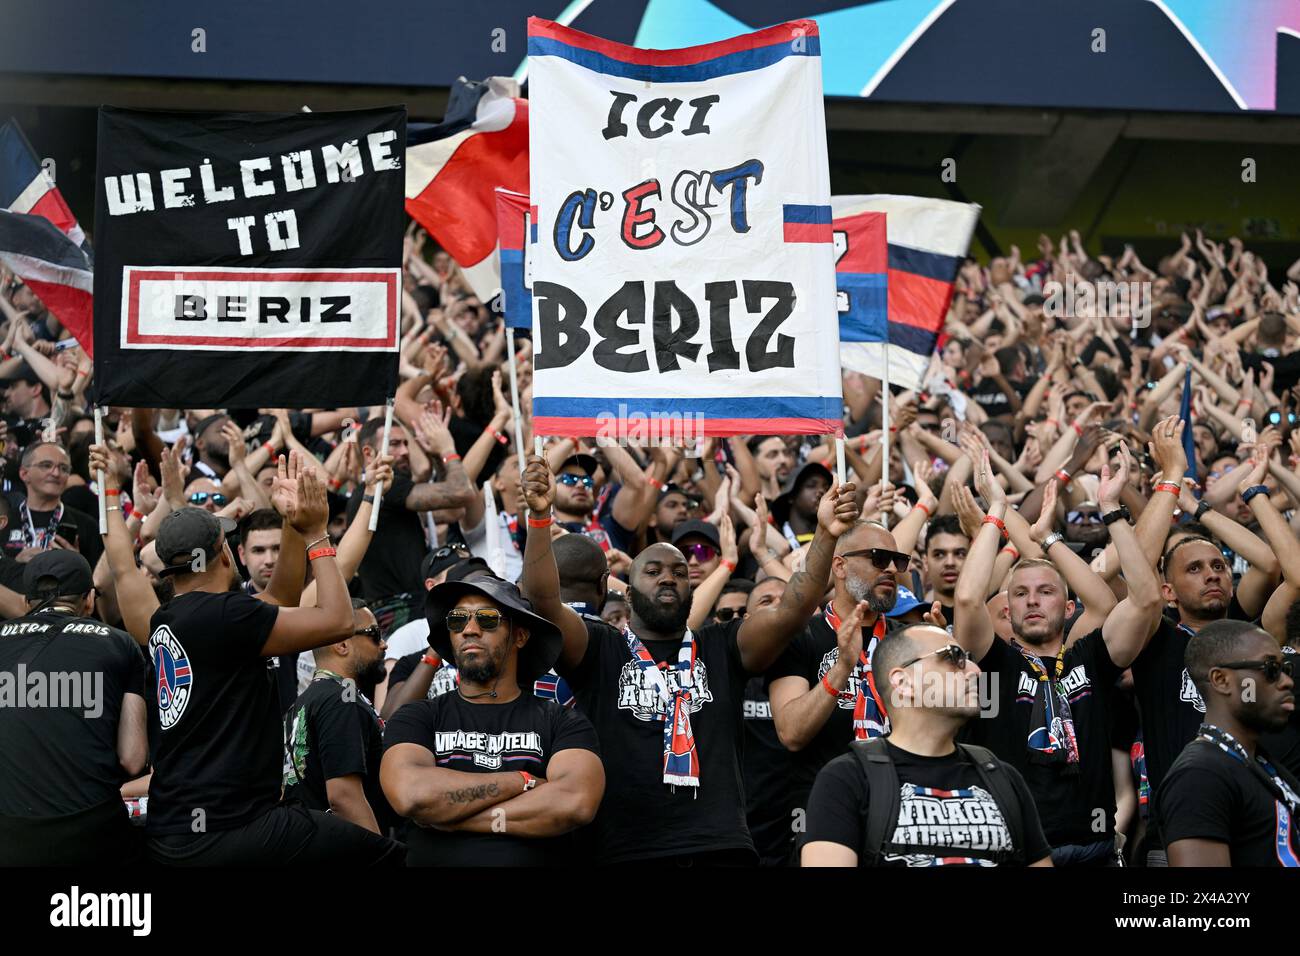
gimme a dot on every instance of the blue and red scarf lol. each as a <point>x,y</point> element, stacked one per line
<point>681,759</point>
<point>869,716</point>
<point>1052,739</point>
<point>1285,799</point>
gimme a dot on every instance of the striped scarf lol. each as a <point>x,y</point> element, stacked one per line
<point>1052,738</point>
<point>1286,800</point>
<point>869,716</point>
<point>681,759</point>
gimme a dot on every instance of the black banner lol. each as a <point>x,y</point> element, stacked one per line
<point>248,260</point>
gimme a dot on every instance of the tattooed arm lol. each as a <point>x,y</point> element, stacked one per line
<point>430,795</point>
<point>566,800</point>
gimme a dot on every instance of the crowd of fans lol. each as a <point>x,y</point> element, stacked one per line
<point>1056,632</point>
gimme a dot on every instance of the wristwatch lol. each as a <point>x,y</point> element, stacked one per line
<point>529,780</point>
<point>1201,507</point>
<point>1119,514</point>
<point>1050,540</point>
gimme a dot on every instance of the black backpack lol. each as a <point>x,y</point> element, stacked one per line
<point>885,799</point>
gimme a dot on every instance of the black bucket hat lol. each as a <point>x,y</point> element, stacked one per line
<point>780,508</point>
<point>544,639</point>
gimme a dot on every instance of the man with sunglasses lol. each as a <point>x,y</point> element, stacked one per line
<point>333,739</point>
<point>946,804</point>
<point>702,545</point>
<point>1050,702</point>
<point>206,494</point>
<point>492,775</point>
<point>43,521</point>
<point>1224,802</point>
<point>822,693</point>
<point>576,503</point>
<point>667,701</point>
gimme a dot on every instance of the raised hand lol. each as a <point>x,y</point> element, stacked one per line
<point>987,485</point>
<point>380,474</point>
<point>1112,486</point>
<point>1046,522</point>
<point>1167,448</point>
<point>144,491</point>
<point>235,440</point>
<point>101,460</point>
<point>284,487</point>
<point>311,512</point>
<point>174,473</point>
<point>838,509</point>
<point>969,514</point>
<point>923,472</point>
<point>758,533</point>
<point>537,485</point>
<point>727,536</point>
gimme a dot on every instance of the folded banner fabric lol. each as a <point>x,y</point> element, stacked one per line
<point>683,281</point>
<point>518,231</point>
<point>926,241</point>
<point>248,259</point>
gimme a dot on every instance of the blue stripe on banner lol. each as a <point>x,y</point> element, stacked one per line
<point>777,406</point>
<point>17,167</point>
<point>865,319</point>
<point>742,61</point>
<point>817,215</point>
<point>518,299</point>
<point>932,265</point>
<point>913,339</point>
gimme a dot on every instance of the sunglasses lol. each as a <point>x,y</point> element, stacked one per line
<point>446,551</point>
<point>488,618</point>
<point>702,552</point>
<point>882,558</point>
<point>371,632</point>
<point>727,614</point>
<point>201,497</point>
<point>1272,668</point>
<point>570,479</point>
<point>952,653</point>
<point>1083,517</point>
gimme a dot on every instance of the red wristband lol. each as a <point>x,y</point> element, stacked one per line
<point>540,522</point>
<point>1168,486</point>
<point>728,564</point>
<point>654,483</point>
<point>335,484</point>
<point>1001,526</point>
<point>112,492</point>
<point>1064,476</point>
<point>1077,430</point>
<point>322,553</point>
<point>1053,422</point>
<point>1012,551</point>
<point>448,459</point>
<point>923,508</point>
<point>433,660</point>
<point>826,685</point>
<point>270,448</point>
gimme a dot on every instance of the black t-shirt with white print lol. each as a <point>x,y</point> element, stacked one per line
<point>1210,795</point>
<point>1075,808</point>
<point>214,713</point>
<point>471,737</point>
<point>332,731</point>
<point>945,816</point>
<point>641,817</point>
<point>811,655</point>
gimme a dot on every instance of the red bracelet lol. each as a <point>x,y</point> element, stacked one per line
<point>1168,486</point>
<point>728,564</point>
<point>923,508</point>
<point>654,482</point>
<point>1077,430</point>
<point>335,484</point>
<point>112,492</point>
<point>433,660</point>
<point>1064,476</point>
<point>1054,423</point>
<point>1012,551</point>
<point>448,459</point>
<point>1001,526</point>
<point>540,522</point>
<point>322,553</point>
<point>270,448</point>
<point>826,684</point>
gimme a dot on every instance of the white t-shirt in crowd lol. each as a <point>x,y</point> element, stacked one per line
<point>410,637</point>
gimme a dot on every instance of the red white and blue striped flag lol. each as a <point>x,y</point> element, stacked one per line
<point>25,185</point>
<point>54,268</point>
<point>894,288</point>
<point>514,217</point>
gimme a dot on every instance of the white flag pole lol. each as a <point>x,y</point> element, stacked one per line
<point>99,474</point>
<point>383,450</point>
<point>884,430</point>
<point>514,400</point>
<point>839,460</point>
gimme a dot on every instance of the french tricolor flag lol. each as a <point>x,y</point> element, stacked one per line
<point>453,168</point>
<point>26,187</point>
<point>925,241</point>
<point>514,215</point>
<point>55,269</point>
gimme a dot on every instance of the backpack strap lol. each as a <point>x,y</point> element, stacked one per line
<point>883,798</point>
<point>996,782</point>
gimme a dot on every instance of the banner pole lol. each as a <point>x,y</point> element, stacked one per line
<point>99,474</point>
<point>884,430</point>
<point>839,460</point>
<point>383,450</point>
<point>514,399</point>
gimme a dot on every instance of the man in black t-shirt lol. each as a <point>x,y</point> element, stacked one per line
<point>1049,718</point>
<point>948,813</point>
<point>333,739</point>
<point>215,730</point>
<point>64,756</point>
<point>492,775</point>
<point>1224,802</point>
<point>42,520</point>
<point>390,571</point>
<point>668,702</point>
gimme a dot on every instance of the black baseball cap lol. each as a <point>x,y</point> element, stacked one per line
<point>208,422</point>
<point>435,562</point>
<point>587,463</point>
<point>57,572</point>
<point>697,527</point>
<point>187,530</point>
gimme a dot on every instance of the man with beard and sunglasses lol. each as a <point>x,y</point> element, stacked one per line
<point>1224,802</point>
<point>917,797</point>
<point>491,774</point>
<point>823,697</point>
<point>667,701</point>
<point>333,739</point>
<point>1049,702</point>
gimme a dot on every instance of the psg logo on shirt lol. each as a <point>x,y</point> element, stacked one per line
<point>172,667</point>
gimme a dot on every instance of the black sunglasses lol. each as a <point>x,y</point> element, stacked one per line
<point>952,653</point>
<point>1271,667</point>
<point>726,614</point>
<point>882,558</point>
<point>1083,517</point>
<point>371,632</point>
<point>488,618</point>
<point>201,497</point>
